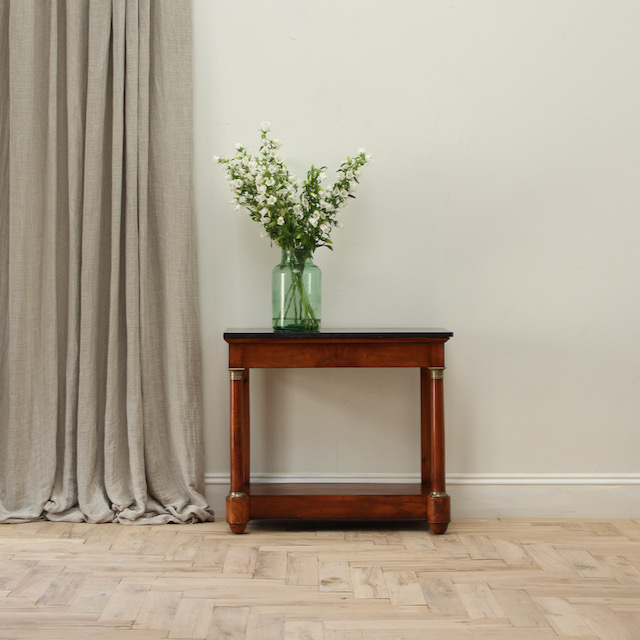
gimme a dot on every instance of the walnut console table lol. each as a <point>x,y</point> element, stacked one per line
<point>264,348</point>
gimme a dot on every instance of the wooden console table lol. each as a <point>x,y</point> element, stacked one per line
<point>264,348</point>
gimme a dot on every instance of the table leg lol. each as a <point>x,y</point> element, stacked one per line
<point>438,502</point>
<point>237,500</point>
<point>425,427</point>
<point>246,435</point>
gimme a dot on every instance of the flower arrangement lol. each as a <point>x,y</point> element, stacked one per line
<point>297,215</point>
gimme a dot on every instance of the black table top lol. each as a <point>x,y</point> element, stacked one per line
<point>339,333</point>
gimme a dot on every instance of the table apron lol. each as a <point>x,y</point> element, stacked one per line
<point>273,355</point>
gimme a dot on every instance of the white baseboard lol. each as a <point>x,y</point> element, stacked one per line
<point>501,495</point>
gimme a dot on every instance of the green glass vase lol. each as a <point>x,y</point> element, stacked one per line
<point>296,292</point>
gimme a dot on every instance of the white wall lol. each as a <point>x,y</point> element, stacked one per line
<point>503,204</point>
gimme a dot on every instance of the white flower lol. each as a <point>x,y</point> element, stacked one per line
<point>340,225</point>
<point>273,195</point>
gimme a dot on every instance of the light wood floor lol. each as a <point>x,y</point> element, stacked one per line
<point>490,579</point>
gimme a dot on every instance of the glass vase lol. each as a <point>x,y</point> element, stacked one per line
<point>296,292</point>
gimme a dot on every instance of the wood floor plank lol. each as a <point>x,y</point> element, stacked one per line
<point>212,553</point>
<point>440,594</point>
<point>564,617</point>
<point>301,570</point>
<point>521,610</point>
<point>192,619</point>
<point>605,623</point>
<point>270,565</point>
<point>404,588</point>
<point>334,576</point>
<point>124,605</point>
<point>240,560</point>
<point>488,579</point>
<point>303,630</point>
<point>368,582</point>
<point>479,601</point>
<point>480,547</point>
<point>158,610</point>
<point>94,595</point>
<point>547,557</point>
<point>36,581</point>
<point>229,623</point>
<point>63,589</point>
<point>265,626</point>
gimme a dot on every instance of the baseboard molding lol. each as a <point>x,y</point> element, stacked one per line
<point>501,495</point>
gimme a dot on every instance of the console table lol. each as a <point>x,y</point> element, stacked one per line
<point>265,348</point>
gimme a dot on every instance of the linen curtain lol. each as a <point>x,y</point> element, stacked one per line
<point>100,372</point>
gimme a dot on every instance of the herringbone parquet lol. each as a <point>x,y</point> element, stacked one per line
<point>489,579</point>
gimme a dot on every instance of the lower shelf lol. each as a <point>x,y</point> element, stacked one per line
<point>338,488</point>
<point>342,501</point>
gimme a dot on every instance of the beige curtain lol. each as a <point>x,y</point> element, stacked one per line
<point>100,373</point>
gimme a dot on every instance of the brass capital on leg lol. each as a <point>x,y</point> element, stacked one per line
<point>236,373</point>
<point>437,373</point>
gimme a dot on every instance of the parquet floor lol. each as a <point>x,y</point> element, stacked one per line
<point>489,579</point>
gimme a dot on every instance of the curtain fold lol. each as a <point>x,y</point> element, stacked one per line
<point>100,372</point>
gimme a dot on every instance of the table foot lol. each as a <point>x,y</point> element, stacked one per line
<point>237,512</point>
<point>438,512</point>
<point>238,527</point>
<point>438,527</point>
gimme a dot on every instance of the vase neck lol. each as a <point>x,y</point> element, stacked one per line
<point>298,256</point>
